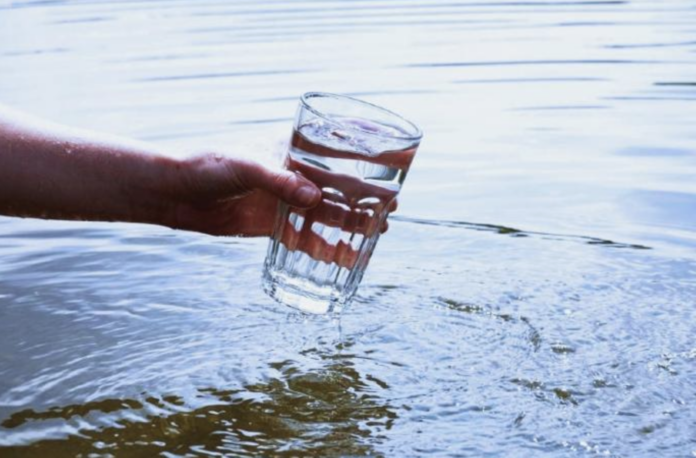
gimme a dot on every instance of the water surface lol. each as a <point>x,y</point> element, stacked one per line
<point>533,297</point>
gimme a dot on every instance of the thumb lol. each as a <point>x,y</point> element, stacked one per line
<point>288,186</point>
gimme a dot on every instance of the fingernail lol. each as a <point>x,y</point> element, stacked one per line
<point>307,194</point>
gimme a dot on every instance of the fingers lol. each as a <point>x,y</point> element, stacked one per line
<point>343,217</point>
<point>329,240</point>
<point>352,188</point>
<point>393,205</point>
<point>212,176</point>
<point>325,244</point>
<point>218,177</point>
<point>289,187</point>
<point>363,219</point>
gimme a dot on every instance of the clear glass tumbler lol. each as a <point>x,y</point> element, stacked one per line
<point>358,154</point>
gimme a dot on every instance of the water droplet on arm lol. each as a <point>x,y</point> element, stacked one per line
<point>340,134</point>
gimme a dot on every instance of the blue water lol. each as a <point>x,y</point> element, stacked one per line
<point>535,295</point>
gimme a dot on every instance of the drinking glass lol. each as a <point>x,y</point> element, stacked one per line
<point>358,154</point>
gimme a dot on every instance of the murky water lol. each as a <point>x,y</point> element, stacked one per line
<point>535,295</point>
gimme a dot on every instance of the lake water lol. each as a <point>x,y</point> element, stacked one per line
<point>536,292</point>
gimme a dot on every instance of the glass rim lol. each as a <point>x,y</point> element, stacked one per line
<point>305,100</point>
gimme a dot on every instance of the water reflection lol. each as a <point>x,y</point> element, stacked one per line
<point>332,410</point>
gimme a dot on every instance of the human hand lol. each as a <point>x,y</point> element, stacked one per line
<point>219,195</point>
<point>351,213</point>
<point>89,176</point>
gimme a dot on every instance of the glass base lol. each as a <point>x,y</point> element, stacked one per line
<point>302,294</point>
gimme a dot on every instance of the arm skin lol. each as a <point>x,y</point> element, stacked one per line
<point>50,171</point>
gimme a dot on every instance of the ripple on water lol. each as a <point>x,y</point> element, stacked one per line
<point>536,357</point>
<point>561,323</point>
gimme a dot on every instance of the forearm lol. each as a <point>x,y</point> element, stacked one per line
<point>48,171</point>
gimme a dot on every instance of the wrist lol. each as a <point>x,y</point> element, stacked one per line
<point>154,198</point>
